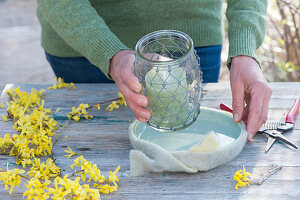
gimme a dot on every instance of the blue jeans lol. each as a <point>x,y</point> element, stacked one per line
<point>80,70</point>
<point>210,62</point>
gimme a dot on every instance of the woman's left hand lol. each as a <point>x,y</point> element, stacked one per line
<point>248,84</point>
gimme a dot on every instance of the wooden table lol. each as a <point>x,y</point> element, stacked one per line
<point>104,140</point>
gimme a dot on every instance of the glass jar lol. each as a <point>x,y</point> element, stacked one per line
<point>167,66</point>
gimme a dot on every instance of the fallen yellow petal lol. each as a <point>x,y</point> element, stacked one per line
<point>4,118</point>
<point>1,105</point>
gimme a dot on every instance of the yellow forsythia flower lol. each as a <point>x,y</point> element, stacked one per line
<point>90,171</point>
<point>76,118</point>
<point>79,112</point>
<point>122,100</point>
<point>4,118</point>
<point>37,189</point>
<point>11,178</point>
<point>5,143</point>
<point>112,178</point>
<point>70,153</point>
<point>59,83</point>
<point>117,104</point>
<point>71,189</point>
<point>35,128</point>
<point>113,105</point>
<point>57,110</point>
<point>97,106</point>
<point>242,178</point>
<point>33,122</point>
<point>43,170</point>
<point>1,105</point>
<point>113,175</point>
<point>25,162</point>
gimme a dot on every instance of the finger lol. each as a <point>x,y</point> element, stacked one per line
<point>246,114</point>
<point>265,107</point>
<point>141,113</point>
<point>144,120</point>
<point>132,96</point>
<point>131,80</point>
<point>135,101</point>
<point>237,101</point>
<point>255,110</point>
<point>263,117</point>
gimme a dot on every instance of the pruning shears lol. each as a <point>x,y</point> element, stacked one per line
<point>274,130</point>
<point>289,125</point>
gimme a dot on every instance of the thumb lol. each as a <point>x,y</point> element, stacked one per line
<point>237,102</point>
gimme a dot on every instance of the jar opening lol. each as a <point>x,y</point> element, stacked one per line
<point>164,46</point>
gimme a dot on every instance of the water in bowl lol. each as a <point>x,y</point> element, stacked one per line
<point>182,141</point>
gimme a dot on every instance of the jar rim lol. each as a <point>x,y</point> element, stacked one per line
<point>152,34</point>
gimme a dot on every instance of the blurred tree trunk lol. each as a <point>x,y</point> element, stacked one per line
<point>290,25</point>
<point>281,50</point>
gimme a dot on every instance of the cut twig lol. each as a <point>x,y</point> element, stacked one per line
<point>103,102</point>
<point>265,176</point>
<point>95,105</point>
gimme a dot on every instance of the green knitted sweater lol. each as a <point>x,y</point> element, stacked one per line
<point>98,29</point>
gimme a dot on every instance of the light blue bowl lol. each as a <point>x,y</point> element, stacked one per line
<point>232,137</point>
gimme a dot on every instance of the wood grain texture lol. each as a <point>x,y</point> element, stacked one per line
<point>104,140</point>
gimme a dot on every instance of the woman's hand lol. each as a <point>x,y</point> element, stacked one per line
<point>249,85</point>
<point>120,69</point>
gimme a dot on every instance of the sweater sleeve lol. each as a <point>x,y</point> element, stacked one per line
<point>247,23</point>
<point>78,23</point>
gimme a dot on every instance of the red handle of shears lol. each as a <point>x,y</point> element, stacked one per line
<point>228,109</point>
<point>290,117</point>
<point>225,107</point>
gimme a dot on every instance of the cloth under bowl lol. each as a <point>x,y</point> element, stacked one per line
<point>151,155</point>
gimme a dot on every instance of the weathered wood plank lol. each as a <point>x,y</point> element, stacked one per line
<point>112,151</point>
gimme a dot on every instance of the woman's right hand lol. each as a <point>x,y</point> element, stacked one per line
<point>120,69</point>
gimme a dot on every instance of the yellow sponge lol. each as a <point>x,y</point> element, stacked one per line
<point>208,144</point>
